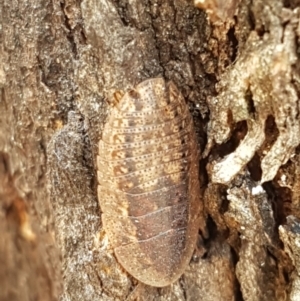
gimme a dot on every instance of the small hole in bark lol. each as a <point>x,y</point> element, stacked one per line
<point>251,20</point>
<point>286,275</point>
<point>224,205</point>
<point>271,134</point>
<point>281,201</point>
<point>261,30</point>
<point>234,43</point>
<point>235,256</point>
<point>210,78</point>
<point>203,176</point>
<point>212,229</point>
<point>250,102</point>
<point>237,136</point>
<point>254,167</point>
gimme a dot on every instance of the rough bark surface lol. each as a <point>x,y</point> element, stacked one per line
<point>237,66</point>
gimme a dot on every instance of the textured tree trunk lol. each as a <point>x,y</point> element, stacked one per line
<point>237,66</point>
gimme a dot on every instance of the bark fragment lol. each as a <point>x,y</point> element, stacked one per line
<point>251,213</point>
<point>267,74</point>
<point>290,235</point>
<point>265,70</point>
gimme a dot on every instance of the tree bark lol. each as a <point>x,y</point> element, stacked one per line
<point>237,66</point>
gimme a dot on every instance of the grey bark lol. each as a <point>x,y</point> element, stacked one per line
<point>237,66</point>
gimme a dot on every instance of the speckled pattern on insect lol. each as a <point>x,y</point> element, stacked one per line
<point>148,182</point>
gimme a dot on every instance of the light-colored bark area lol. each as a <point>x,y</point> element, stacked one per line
<point>61,61</point>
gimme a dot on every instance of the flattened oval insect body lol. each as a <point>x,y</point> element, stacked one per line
<point>148,182</point>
